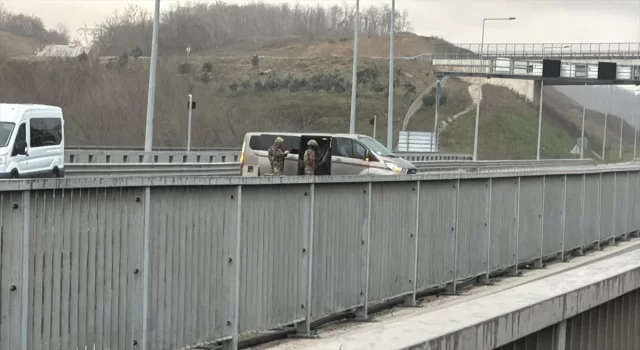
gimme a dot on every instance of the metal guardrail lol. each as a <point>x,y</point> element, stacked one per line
<point>124,155</point>
<point>492,165</point>
<point>167,263</point>
<point>233,169</point>
<point>75,156</point>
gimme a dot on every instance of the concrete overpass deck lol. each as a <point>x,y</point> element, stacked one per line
<point>491,316</point>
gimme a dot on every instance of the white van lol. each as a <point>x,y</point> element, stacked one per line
<point>31,141</point>
<point>349,154</point>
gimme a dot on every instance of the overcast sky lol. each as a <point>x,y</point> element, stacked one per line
<point>459,21</point>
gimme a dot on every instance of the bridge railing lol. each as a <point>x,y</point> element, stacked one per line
<point>628,50</point>
<point>163,263</point>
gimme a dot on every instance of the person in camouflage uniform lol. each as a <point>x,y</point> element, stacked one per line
<point>277,156</point>
<point>309,159</point>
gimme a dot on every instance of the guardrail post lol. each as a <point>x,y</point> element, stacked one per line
<point>560,335</point>
<point>304,328</point>
<point>600,185</point>
<point>451,288</point>
<point>583,226</point>
<point>26,232</point>
<point>411,300</point>
<point>626,210</point>
<point>231,278</point>
<point>362,312</point>
<point>146,262</point>
<point>487,276</point>
<point>636,191</point>
<point>613,240</point>
<point>513,271</point>
<point>540,263</point>
<point>564,216</point>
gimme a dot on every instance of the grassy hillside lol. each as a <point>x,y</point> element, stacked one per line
<point>302,82</point>
<point>568,114</point>
<point>406,45</point>
<point>508,130</point>
<point>105,103</point>
<point>14,46</point>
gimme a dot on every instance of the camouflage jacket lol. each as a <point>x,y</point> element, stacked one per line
<point>276,157</point>
<point>309,160</point>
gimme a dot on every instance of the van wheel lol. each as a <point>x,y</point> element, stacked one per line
<point>55,173</point>
<point>14,174</point>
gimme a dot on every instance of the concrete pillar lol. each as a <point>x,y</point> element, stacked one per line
<point>560,336</point>
<point>536,92</point>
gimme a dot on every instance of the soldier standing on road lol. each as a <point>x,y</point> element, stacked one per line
<point>309,159</point>
<point>277,156</point>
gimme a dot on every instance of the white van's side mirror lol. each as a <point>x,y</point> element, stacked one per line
<point>21,147</point>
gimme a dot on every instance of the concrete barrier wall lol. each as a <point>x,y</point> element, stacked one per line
<point>163,263</point>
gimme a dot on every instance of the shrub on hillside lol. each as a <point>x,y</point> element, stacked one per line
<point>205,77</point>
<point>136,53</point>
<point>184,68</point>
<point>123,59</point>
<point>430,99</point>
<point>83,57</point>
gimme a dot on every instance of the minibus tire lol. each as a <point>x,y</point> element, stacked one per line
<point>14,174</point>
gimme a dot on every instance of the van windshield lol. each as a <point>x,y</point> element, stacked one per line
<point>375,146</point>
<point>5,133</point>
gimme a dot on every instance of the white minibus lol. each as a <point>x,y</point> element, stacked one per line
<point>31,141</point>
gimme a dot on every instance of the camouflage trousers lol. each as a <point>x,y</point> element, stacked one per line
<point>276,172</point>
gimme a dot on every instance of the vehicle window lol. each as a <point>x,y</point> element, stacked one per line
<point>5,133</point>
<point>375,146</point>
<point>21,135</point>
<point>344,148</point>
<point>264,141</point>
<point>45,132</point>
<point>359,151</point>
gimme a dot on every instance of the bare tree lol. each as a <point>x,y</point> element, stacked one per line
<point>30,27</point>
<point>210,25</point>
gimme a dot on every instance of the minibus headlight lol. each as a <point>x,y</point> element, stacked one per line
<point>393,167</point>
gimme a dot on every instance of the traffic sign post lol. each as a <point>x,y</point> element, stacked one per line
<point>191,105</point>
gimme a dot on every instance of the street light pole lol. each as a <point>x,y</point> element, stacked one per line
<point>189,123</point>
<point>148,146</point>
<point>584,115</point>
<point>621,135</point>
<point>151,98</point>
<point>484,21</point>
<point>635,128</point>
<point>354,79</point>
<point>540,119</point>
<point>604,133</point>
<point>392,50</point>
